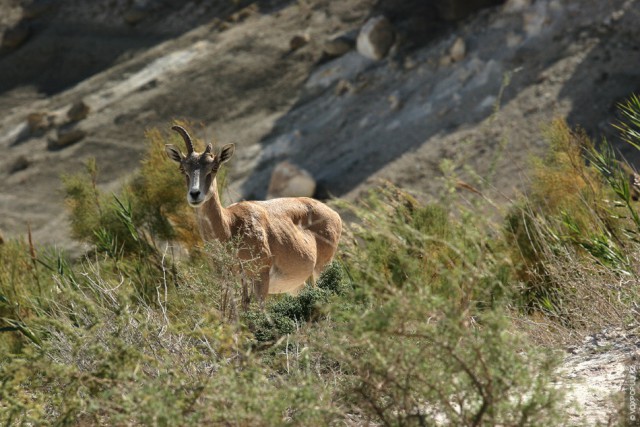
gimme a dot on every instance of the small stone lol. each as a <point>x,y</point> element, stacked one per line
<point>244,13</point>
<point>513,40</point>
<point>409,64</point>
<point>66,135</point>
<point>20,164</point>
<point>338,46</point>
<point>375,38</point>
<point>298,41</point>
<point>78,111</point>
<point>39,122</point>
<point>342,87</point>
<point>15,37</point>
<point>395,103</point>
<point>288,180</point>
<point>458,50</point>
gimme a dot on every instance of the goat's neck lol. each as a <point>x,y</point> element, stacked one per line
<point>213,218</point>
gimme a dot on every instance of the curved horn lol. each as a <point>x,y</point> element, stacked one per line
<point>185,135</point>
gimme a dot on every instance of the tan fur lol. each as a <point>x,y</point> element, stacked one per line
<point>291,239</point>
<point>287,240</point>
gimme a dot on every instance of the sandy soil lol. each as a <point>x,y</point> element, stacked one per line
<point>602,370</point>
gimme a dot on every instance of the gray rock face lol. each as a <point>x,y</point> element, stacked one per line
<point>376,38</point>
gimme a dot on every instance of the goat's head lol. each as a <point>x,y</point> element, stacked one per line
<point>200,169</point>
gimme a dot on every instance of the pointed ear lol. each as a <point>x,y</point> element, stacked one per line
<point>173,153</point>
<point>226,152</point>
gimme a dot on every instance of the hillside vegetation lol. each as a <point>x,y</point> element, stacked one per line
<point>434,314</point>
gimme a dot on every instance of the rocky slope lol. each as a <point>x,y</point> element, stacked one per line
<point>347,120</point>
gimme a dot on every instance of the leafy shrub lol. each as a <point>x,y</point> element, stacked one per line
<point>570,237</point>
<point>429,343</point>
<point>414,246</point>
<point>104,360</point>
<point>26,284</point>
<point>564,204</point>
<point>151,206</point>
<point>282,316</point>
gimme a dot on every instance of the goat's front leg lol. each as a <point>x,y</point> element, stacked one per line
<point>261,285</point>
<point>246,297</point>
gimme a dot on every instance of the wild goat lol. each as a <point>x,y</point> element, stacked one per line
<point>288,240</point>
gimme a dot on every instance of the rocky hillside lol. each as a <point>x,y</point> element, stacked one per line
<point>285,81</point>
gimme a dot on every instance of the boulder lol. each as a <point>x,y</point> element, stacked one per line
<point>376,38</point>
<point>298,41</point>
<point>20,164</point>
<point>39,122</point>
<point>458,50</point>
<point>78,111</point>
<point>66,135</point>
<point>288,180</point>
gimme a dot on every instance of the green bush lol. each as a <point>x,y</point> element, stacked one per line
<point>288,312</point>
<point>150,207</point>
<point>27,283</point>
<point>104,360</point>
<point>572,236</point>
<point>431,344</point>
